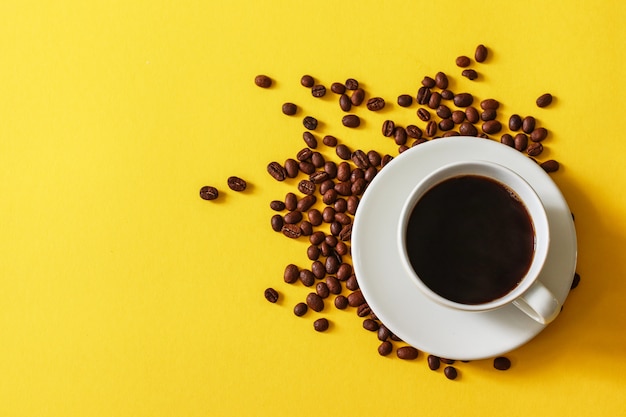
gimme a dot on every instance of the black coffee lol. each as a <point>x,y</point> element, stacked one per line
<point>470,240</point>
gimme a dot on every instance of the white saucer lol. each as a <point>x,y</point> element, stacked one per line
<point>398,302</point>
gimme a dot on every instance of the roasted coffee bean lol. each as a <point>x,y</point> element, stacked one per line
<point>317,159</point>
<point>341,248</point>
<point>405,100</point>
<point>300,309</point>
<point>481,53</point>
<point>292,273</point>
<point>304,154</point>
<point>293,217</point>
<point>360,159</point>
<point>539,134</point>
<point>371,325</point>
<point>322,289</point>
<point>313,252</point>
<point>343,170</point>
<point>383,333</point>
<point>502,363</point>
<point>306,187</point>
<point>351,283</point>
<point>463,99</point>
<point>374,158</point>
<point>351,120</point>
<point>321,325</point>
<point>289,109</point>
<point>447,94</point>
<point>450,133</point>
<point>353,203</point>
<point>310,123</point>
<point>277,171</point>
<point>291,168</point>
<point>315,302</point>
<point>306,167</point>
<point>388,128</point>
<point>306,228</point>
<point>335,228</point>
<point>314,216</point>
<point>342,217</point>
<point>343,152</point>
<point>431,128</point>
<point>208,193</point>
<point>236,184</point>
<point>331,265</point>
<point>428,82</point>
<point>357,97</point>
<point>508,140</point>
<point>319,177</point>
<point>370,173</point>
<point>550,165</point>
<point>515,122</point>
<point>351,84</point>
<point>441,80</point>
<point>444,111</point>
<point>447,361</point>
<point>307,81</point>
<point>492,126</point>
<point>489,104</point>
<point>345,233</point>
<point>318,90</point>
<point>433,362</point>
<point>467,129</point>
<point>292,231</point>
<point>434,100</point>
<point>328,214</point>
<point>277,205</point>
<point>407,352</point>
<point>277,222</point>
<point>446,124</point>
<point>463,61</point>
<point>307,277</point>
<point>423,95</point>
<point>308,137</point>
<point>400,135</point>
<point>423,114</point>
<point>489,114</point>
<point>263,81</point>
<point>291,201</point>
<point>330,196</point>
<point>343,188</point>
<point>402,148</point>
<point>329,140</point>
<point>544,100</point>
<point>344,272</point>
<point>386,159</point>
<point>375,103</point>
<point>534,149</point>
<point>520,141</point>
<point>356,298</point>
<point>338,88</point>
<point>333,285</point>
<point>363,310</point>
<point>576,279</point>
<point>341,302</point>
<point>413,131</point>
<point>318,269</point>
<point>528,124</point>
<point>458,116</point>
<point>385,348</point>
<point>450,372</point>
<point>469,74</point>
<point>317,237</point>
<point>344,102</point>
<point>271,295</point>
<point>471,114</point>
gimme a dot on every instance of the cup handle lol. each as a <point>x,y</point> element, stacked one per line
<point>538,303</point>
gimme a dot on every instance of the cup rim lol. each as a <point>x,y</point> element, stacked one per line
<point>538,218</point>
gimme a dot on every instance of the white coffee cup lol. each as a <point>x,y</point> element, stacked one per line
<point>529,295</point>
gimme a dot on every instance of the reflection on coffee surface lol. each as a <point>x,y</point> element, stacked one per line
<point>470,239</point>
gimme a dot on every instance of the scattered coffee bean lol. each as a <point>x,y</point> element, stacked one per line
<point>407,353</point>
<point>345,103</point>
<point>405,100</point>
<point>458,116</point>
<point>431,128</point>
<point>491,127</point>
<point>356,298</point>
<point>447,94</point>
<point>428,82</point>
<point>333,285</point>
<point>310,122</point>
<point>307,187</point>
<point>423,95</point>
<point>520,141</point>
<point>322,289</point>
<point>371,325</point>
<point>450,372</point>
<point>413,131</point>
<point>363,310</point>
<point>351,84</point>
<point>502,363</point>
<point>472,115</point>
<point>300,309</point>
<point>208,193</point>
<point>539,134</point>
<point>313,252</point>
<point>291,168</point>
<point>329,140</point>
<point>463,100</point>
<point>307,81</point>
<point>263,81</point>
<point>515,122</point>
<point>277,205</point>
<point>289,109</point>
<point>293,217</point>
<point>344,153</point>
<point>463,61</point>
<point>383,333</point>
<point>433,362</point>
<point>467,129</point>
<point>423,114</point>
<point>357,97</point>
<point>321,325</point>
<point>306,228</point>
<point>375,103</point>
<point>318,269</point>
<point>446,124</point>
<point>307,278</point>
<point>277,222</point>
<point>481,53</point>
<point>441,81</point>
<point>508,140</point>
<point>315,302</point>
<point>291,201</point>
<point>341,302</point>
<point>447,361</point>
<point>550,165</point>
<point>489,114</point>
<point>489,104</point>
<point>351,120</point>
<point>534,149</point>
<point>575,281</point>
<point>292,231</point>
<point>271,295</point>
<point>374,157</point>
<point>385,348</point>
<point>469,74</point>
<point>236,184</point>
<point>277,171</point>
<point>528,124</point>
<point>544,100</point>
<point>338,88</point>
<point>318,91</point>
<point>291,274</point>
<point>400,135</point>
<point>435,100</point>
<point>388,128</point>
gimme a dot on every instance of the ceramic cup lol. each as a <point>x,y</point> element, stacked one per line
<point>529,295</point>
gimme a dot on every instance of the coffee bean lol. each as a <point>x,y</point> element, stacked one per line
<point>357,97</point>
<point>502,363</point>
<point>356,298</point>
<point>333,285</point>
<point>351,84</point>
<point>315,302</point>
<point>291,168</point>
<point>471,114</point>
<point>304,154</point>
<point>263,81</point>
<point>318,269</point>
<point>428,82</point>
<point>351,120</point>
<point>344,273</point>
<point>423,95</point>
<point>491,127</point>
<point>322,289</point>
<point>443,111</point>
<point>317,237</point>
<point>338,88</point>
<point>291,274</point>
<point>550,165</point>
<point>520,141</point>
<point>383,333</point>
<point>388,128</point>
<point>441,80</point>
<point>386,159</point>
<point>463,61</point>
<point>400,135</point>
<point>407,353</point>
<point>463,99</point>
<point>434,100</point>
<point>307,81</point>
<point>317,159</point>
<point>351,283</point>
<point>450,372</point>
<point>344,102</point>
<point>307,277</point>
<point>374,158</point>
<point>291,201</point>
<point>576,279</point>
<point>534,149</point>
<point>469,74</point>
<point>236,184</point>
<point>313,252</point>
<point>375,103</point>
<point>447,361</point>
<point>329,140</point>
<point>310,123</point>
<point>489,104</point>
<point>446,124</point>
<point>208,193</point>
<point>528,124</point>
<point>447,94</point>
<point>451,133</point>
<point>363,310</point>
<point>353,203</point>
<point>405,100</point>
<point>318,91</point>
<point>343,152</point>
<point>371,325</point>
<point>413,131</point>
<point>342,217</point>
<point>293,217</point>
<point>289,109</point>
<point>306,167</point>
<point>544,100</point>
<point>341,302</point>
<point>360,159</point>
<point>489,114</point>
<point>515,122</point>
<point>508,140</point>
<point>481,53</point>
<point>433,362</point>
<point>345,233</point>
<point>341,248</point>
<point>467,129</point>
<point>292,231</point>
<point>306,228</point>
<point>458,116</point>
<point>277,222</point>
<point>277,171</point>
<point>431,128</point>
<point>385,348</point>
<point>321,325</point>
<point>277,205</point>
<point>423,114</point>
<point>300,309</point>
<point>331,264</point>
<point>539,134</point>
<point>271,295</point>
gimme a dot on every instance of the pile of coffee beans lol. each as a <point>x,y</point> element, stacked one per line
<point>326,190</point>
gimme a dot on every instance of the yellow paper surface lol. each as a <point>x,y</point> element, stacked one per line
<point>122,293</point>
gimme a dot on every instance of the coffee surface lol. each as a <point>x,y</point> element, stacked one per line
<point>470,239</point>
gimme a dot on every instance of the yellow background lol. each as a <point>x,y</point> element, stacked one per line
<point>122,293</point>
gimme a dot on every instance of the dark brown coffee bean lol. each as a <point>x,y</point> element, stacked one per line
<point>576,279</point>
<point>515,122</point>
<point>374,158</point>
<point>331,240</point>
<point>277,171</point>
<point>292,273</point>
<point>328,214</point>
<point>300,309</point>
<point>550,165</point>
<point>489,104</point>
<point>291,231</point>
<point>407,353</point>
<point>400,135</point>
<point>338,88</point>
<point>333,285</point>
<point>208,193</point>
<point>342,217</point>
<point>356,298</point>
<point>321,325</point>
<point>467,129</point>
<point>544,100</point>
<point>291,168</point>
<point>434,100</point>
<point>335,228</point>
<point>304,154</point>
<point>306,228</point>
<point>277,222</point>
<point>353,203</point>
<point>463,61</point>
<point>431,128</point>
<point>423,95</point>
<point>383,333</point>
<point>451,133</point>
<point>520,141</point>
<point>385,348</point>
<point>444,111</point>
<point>313,252</point>
<point>345,233</point>
<point>375,103</point>
<point>271,295</point>
<point>441,80</point>
<point>310,123</point>
<point>447,94</point>
<point>458,116</point>
<point>423,114</point>
<point>343,152</point>
<point>318,269</point>
<point>450,372</point>
<point>371,325</point>
<point>329,140</point>
<point>357,97</point>
<point>502,363</point>
<point>307,277</point>
<point>322,289</point>
<point>343,170</point>
<point>308,137</point>
<point>329,197</point>
<point>414,132</point>
<point>341,248</point>
<point>433,362</point>
<point>291,201</point>
<point>293,217</point>
<point>318,90</point>
<point>343,188</point>
<point>306,167</point>
<point>317,159</point>
<point>370,173</point>
<point>471,114</point>
<point>263,81</point>
<point>508,140</point>
<point>307,81</point>
<point>388,128</point>
<point>319,177</point>
<point>360,159</point>
<point>314,216</point>
<point>446,124</point>
<point>351,283</point>
<point>331,265</point>
<point>528,124</point>
<point>236,184</point>
<point>315,302</point>
<point>341,302</point>
<point>344,102</point>
<point>386,159</point>
<point>306,187</point>
<point>469,74</point>
<point>539,134</point>
<point>463,100</point>
<point>481,53</point>
<point>277,205</point>
<point>487,115</point>
<point>447,361</point>
<point>351,120</point>
<point>317,237</point>
<point>363,310</point>
<point>344,272</point>
<point>405,100</point>
<point>492,126</point>
<point>428,82</point>
<point>534,149</point>
<point>402,148</point>
<point>289,109</point>
<point>351,84</point>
